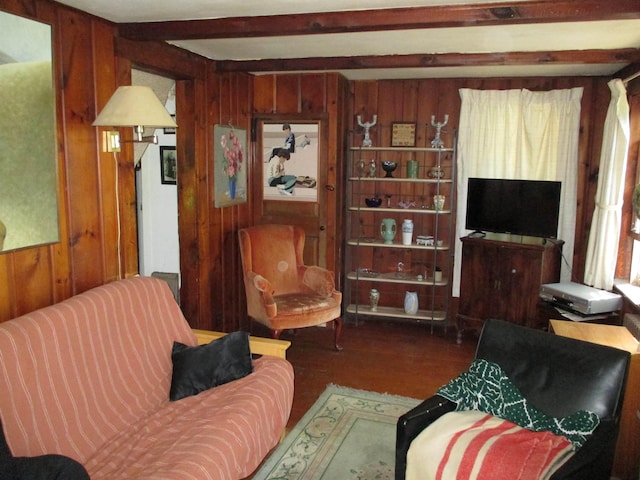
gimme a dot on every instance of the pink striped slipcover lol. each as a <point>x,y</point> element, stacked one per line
<point>89,378</point>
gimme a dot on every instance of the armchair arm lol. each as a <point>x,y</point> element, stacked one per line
<point>594,459</point>
<point>258,345</point>
<point>317,279</point>
<point>415,421</point>
<point>260,291</point>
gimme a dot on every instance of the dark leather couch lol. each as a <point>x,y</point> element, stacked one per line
<point>559,376</point>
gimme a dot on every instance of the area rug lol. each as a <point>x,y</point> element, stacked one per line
<point>346,435</point>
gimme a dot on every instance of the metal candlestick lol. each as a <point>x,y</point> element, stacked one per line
<point>437,142</point>
<point>366,142</point>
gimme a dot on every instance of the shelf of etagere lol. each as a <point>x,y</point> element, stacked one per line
<point>392,312</point>
<point>403,279</point>
<point>359,242</point>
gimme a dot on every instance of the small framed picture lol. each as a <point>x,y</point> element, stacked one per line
<point>168,165</point>
<point>403,134</point>
<point>170,130</point>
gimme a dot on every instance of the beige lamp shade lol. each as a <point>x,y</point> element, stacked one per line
<point>132,106</point>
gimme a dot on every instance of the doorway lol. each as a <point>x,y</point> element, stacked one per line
<point>157,191</point>
<point>299,198</point>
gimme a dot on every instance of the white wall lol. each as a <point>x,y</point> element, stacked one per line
<point>157,209</point>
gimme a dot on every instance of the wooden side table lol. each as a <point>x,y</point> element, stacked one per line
<point>627,458</point>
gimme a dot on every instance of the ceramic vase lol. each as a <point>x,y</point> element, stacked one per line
<point>374,297</point>
<point>407,231</point>
<point>232,188</point>
<point>411,303</point>
<point>388,230</point>
<point>412,169</point>
<point>438,202</point>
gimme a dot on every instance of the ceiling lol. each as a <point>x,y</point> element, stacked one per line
<point>392,39</point>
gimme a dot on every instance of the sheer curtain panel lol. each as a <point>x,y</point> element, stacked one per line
<point>519,134</point>
<point>602,249</point>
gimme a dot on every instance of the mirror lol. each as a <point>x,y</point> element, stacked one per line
<point>28,155</point>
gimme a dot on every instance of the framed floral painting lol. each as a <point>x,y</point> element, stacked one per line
<point>230,166</point>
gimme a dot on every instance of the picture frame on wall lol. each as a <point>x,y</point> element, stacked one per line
<point>168,166</point>
<point>292,179</point>
<point>403,134</point>
<point>230,166</point>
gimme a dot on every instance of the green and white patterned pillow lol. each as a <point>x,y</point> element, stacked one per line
<point>486,387</point>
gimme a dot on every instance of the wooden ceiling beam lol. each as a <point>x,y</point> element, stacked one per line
<point>629,55</point>
<point>540,11</point>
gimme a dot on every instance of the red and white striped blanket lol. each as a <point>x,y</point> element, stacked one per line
<point>472,445</point>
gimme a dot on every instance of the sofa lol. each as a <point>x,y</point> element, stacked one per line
<point>89,379</point>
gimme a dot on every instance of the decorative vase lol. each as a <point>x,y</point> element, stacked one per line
<point>438,202</point>
<point>388,230</point>
<point>437,274</point>
<point>411,303</point>
<point>412,169</point>
<point>232,188</point>
<point>407,231</point>
<point>374,297</point>
<point>361,166</point>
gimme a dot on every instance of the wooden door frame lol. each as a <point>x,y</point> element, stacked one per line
<point>264,215</point>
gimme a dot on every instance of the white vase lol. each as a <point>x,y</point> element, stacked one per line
<point>374,297</point>
<point>407,231</point>
<point>411,303</point>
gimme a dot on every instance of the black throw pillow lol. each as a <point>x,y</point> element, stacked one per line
<point>199,368</point>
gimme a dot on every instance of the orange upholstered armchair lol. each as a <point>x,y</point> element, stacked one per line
<point>282,292</point>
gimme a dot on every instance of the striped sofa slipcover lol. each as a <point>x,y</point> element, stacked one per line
<point>89,378</point>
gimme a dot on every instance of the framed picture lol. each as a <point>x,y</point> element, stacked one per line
<point>403,134</point>
<point>290,151</point>
<point>170,130</point>
<point>168,165</point>
<point>229,165</point>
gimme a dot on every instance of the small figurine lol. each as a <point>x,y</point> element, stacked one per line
<point>372,169</point>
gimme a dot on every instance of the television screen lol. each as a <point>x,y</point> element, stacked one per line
<point>519,207</point>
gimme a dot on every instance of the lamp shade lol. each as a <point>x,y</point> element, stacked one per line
<point>132,106</point>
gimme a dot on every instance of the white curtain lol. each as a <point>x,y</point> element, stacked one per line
<point>519,134</point>
<point>602,249</point>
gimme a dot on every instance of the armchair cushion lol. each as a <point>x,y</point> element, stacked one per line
<point>319,280</point>
<point>486,387</point>
<point>473,444</point>
<point>199,368</point>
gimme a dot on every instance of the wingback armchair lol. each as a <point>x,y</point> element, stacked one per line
<point>282,292</point>
<point>557,375</point>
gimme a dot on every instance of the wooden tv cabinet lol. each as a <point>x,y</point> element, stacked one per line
<point>501,279</point>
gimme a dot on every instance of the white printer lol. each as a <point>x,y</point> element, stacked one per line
<point>580,298</point>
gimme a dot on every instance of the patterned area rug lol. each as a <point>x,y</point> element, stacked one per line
<point>346,435</point>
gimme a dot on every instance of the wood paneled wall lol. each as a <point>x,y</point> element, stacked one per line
<point>91,61</point>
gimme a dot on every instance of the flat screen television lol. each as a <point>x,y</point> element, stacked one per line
<point>518,207</point>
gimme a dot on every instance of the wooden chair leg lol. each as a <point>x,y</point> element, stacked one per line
<point>337,327</point>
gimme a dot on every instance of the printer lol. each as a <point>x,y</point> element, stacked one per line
<point>580,298</point>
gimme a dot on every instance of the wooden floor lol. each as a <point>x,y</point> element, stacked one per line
<point>396,358</point>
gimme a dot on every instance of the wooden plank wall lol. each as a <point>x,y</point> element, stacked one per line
<point>89,66</point>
